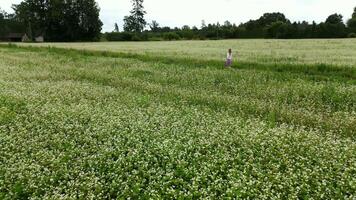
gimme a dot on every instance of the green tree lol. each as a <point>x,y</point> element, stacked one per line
<point>186,32</point>
<point>31,15</point>
<point>136,21</point>
<point>351,23</point>
<point>129,24</point>
<point>9,23</point>
<point>116,28</point>
<point>89,20</point>
<point>269,18</point>
<point>278,30</point>
<point>334,27</point>
<point>61,20</point>
<point>227,23</point>
<point>334,19</point>
<point>154,26</point>
<point>2,23</point>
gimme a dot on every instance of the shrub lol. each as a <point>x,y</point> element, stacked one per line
<point>155,39</point>
<point>123,36</point>
<point>136,37</point>
<point>171,36</point>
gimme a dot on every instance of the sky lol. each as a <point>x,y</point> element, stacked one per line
<point>191,12</point>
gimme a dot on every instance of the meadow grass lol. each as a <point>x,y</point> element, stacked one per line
<point>99,123</point>
<point>309,51</point>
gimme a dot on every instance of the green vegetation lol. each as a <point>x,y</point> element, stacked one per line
<point>136,21</point>
<point>269,25</point>
<point>73,21</point>
<point>336,52</point>
<point>55,20</point>
<point>166,120</point>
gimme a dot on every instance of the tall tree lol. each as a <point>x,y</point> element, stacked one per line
<point>116,29</point>
<point>203,24</point>
<point>351,23</point>
<point>154,26</point>
<point>2,23</point>
<point>89,21</point>
<point>136,21</point>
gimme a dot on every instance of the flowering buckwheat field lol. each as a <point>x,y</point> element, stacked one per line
<point>166,120</point>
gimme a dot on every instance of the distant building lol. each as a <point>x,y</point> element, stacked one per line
<point>39,39</point>
<point>20,37</point>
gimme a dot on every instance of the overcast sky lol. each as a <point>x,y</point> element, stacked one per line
<point>192,12</point>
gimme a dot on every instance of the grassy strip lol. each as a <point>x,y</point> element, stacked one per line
<point>317,71</point>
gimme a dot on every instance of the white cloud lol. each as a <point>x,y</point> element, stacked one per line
<point>6,4</point>
<point>191,12</point>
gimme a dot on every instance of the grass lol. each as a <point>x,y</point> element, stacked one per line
<point>99,121</point>
<point>316,51</point>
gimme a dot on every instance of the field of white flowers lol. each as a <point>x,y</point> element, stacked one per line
<point>154,124</point>
<point>326,51</point>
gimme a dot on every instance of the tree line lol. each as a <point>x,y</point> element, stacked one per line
<point>270,25</point>
<point>78,20</point>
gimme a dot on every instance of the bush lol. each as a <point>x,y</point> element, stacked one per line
<point>136,37</point>
<point>155,39</point>
<point>123,36</point>
<point>171,36</point>
<point>351,35</point>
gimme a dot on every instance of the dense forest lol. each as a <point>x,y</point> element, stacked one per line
<point>78,20</point>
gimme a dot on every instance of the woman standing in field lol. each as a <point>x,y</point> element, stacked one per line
<point>228,62</point>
